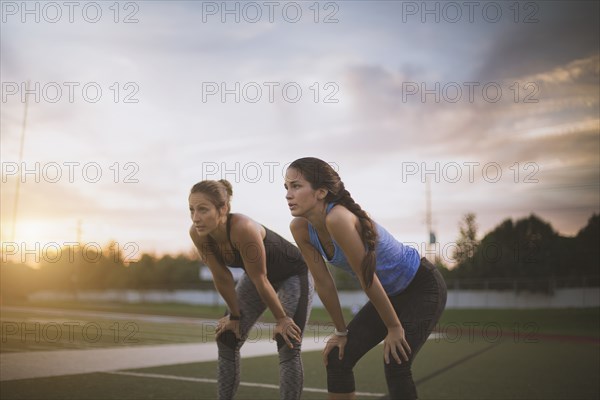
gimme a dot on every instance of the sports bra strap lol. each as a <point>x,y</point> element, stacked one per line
<point>228,225</point>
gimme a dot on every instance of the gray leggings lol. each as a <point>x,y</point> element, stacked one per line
<point>418,307</point>
<point>295,294</point>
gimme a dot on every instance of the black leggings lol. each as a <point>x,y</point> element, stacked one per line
<point>418,307</point>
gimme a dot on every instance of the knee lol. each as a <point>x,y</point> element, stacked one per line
<point>398,371</point>
<point>281,343</point>
<point>340,378</point>
<point>335,364</point>
<point>227,340</point>
<point>287,354</point>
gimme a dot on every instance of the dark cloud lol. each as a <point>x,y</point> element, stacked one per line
<point>562,101</point>
<point>567,30</point>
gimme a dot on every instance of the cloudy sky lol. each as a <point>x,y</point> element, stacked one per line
<point>495,103</point>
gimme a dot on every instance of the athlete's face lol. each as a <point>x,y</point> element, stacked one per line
<point>301,197</point>
<point>204,214</point>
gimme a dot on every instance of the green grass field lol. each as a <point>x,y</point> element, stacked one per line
<point>496,354</point>
<point>168,309</point>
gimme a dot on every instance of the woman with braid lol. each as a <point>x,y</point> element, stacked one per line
<point>275,276</point>
<point>406,293</point>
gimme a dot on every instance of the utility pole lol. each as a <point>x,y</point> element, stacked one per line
<point>430,252</point>
<point>16,205</point>
<point>75,277</point>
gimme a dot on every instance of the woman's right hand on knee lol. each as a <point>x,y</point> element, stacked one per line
<point>288,330</point>
<point>226,324</point>
<point>333,342</point>
<point>396,346</point>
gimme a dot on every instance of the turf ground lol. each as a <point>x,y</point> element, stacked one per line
<point>480,354</point>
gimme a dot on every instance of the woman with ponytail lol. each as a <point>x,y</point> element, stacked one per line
<point>276,277</point>
<point>407,294</point>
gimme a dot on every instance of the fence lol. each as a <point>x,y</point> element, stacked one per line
<point>578,292</point>
<point>543,285</point>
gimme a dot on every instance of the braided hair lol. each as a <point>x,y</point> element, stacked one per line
<point>321,175</point>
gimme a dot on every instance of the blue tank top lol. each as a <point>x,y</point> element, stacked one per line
<point>396,264</point>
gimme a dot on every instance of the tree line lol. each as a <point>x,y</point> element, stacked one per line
<point>526,248</point>
<point>102,269</point>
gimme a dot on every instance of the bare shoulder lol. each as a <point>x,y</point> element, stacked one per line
<point>340,216</point>
<point>244,227</point>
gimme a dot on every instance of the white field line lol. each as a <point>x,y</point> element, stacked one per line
<point>248,384</point>
<point>42,364</point>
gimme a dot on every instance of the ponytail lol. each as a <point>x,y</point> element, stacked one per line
<point>368,235</point>
<point>321,175</point>
<point>227,185</point>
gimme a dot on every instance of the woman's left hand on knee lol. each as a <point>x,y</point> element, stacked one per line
<point>288,330</point>
<point>395,344</point>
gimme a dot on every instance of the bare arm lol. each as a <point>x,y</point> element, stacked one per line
<point>222,277</point>
<point>248,241</point>
<point>246,236</point>
<point>324,283</point>
<point>343,227</point>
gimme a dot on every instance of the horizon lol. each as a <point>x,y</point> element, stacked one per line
<point>130,106</point>
<point>51,255</point>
